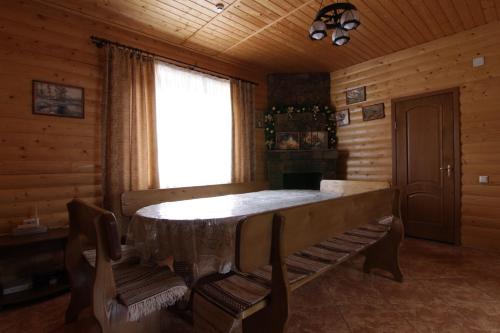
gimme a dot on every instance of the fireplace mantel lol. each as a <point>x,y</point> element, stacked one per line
<point>281,162</point>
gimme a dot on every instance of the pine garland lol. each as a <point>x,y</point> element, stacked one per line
<point>330,126</point>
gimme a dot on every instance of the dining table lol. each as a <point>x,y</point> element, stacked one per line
<point>200,234</point>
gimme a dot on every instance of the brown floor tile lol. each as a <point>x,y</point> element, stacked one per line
<point>376,318</point>
<point>455,290</point>
<point>446,289</point>
<point>461,317</point>
<point>408,292</point>
<point>308,318</point>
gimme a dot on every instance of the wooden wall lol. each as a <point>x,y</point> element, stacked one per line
<point>443,63</point>
<point>49,160</point>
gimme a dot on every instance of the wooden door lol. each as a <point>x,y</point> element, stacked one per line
<point>426,164</point>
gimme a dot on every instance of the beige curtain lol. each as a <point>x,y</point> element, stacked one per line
<point>243,103</point>
<point>129,126</point>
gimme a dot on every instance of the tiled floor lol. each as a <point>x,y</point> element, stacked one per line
<point>446,289</point>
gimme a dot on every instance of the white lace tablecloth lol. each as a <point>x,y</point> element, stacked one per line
<point>200,234</point>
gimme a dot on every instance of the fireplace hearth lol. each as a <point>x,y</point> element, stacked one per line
<point>300,169</point>
<point>302,181</point>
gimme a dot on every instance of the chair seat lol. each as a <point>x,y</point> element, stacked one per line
<point>129,253</point>
<point>238,293</point>
<point>146,289</point>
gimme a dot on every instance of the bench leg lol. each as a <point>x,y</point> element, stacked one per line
<point>209,318</point>
<point>385,253</point>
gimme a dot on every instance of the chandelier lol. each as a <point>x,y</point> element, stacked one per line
<point>341,17</point>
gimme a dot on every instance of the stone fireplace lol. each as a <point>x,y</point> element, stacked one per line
<point>300,169</point>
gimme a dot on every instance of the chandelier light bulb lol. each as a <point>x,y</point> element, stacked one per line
<point>340,37</point>
<point>317,30</point>
<point>349,19</point>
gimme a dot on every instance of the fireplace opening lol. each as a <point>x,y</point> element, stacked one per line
<point>302,181</point>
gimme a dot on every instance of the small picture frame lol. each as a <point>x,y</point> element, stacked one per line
<point>342,117</point>
<point>319,140</point>
<point>355,95</point>
<point>305,140</point>
<point>373,112</point>
<point>54,99</point>
<point>287,140</point>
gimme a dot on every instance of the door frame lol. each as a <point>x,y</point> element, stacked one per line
<point>457,224</point>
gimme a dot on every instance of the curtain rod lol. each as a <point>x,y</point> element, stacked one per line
<point>100,42</point>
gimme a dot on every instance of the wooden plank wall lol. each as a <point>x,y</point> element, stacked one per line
<point>49,160</point>
<point>443,63</point>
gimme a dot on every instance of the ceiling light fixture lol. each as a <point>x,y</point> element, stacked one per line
<point>219,7</point>
<point>340,17</point>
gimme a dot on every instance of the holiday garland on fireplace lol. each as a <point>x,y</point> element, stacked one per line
<point>269,120</point>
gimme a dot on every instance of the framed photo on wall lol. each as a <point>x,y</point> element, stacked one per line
<point>355,95</point>
<point>53,99</point>
<point>342,117</point>
<point>373,112</point>
<point>305,140</point>
<point>319,140</point>
<point>287,140</point>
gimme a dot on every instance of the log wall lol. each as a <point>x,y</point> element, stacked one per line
<point>443,63</point>
<point>46,161</point>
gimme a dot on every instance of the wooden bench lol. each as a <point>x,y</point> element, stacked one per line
<point>349,187</point>
<point>281,252</point>
<point>124,296</point>
<point>132,201</point>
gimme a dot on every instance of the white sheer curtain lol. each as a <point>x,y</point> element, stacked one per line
<point>193,119</point>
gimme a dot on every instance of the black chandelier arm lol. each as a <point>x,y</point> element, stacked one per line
<point>337,10</point>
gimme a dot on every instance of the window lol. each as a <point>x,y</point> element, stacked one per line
<point>194,126</point>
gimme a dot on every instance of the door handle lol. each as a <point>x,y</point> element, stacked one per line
<point>448,168</point>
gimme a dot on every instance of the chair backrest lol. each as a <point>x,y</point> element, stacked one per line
<point>91,227</point>
<point>254,242</point>
<point>349,187</point>
<point>135,200</point>
<point>86,221</point>
<point>309,224</point>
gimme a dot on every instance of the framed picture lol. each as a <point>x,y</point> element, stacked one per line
<point>342,117</point>
<point>305,140</point>
<point>287,140</point>
<point>373,112</point>
<point>319,140</point>
<point>355,95</point>
<point>53,99</point>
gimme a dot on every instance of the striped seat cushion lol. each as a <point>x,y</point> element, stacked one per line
<point>238,292</point>
<point>146,289</point>
<point>129,253</point>
<point>263,274</point>
<point>235,293</point>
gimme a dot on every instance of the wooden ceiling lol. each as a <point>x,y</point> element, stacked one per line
<point>273,34</point>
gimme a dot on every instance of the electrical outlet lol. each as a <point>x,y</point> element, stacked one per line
<point>484,179</point>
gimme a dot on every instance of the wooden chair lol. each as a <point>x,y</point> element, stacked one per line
<point>124,296</point>
<point>300,243</point>
<point>349,187</point>
<point>265,231</point>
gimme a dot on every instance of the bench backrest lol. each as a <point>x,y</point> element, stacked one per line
<point>135,200</point>
<point>306,225</point>
<point>89,223</point>
<point>254,242</point>
<point>349,187</point>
